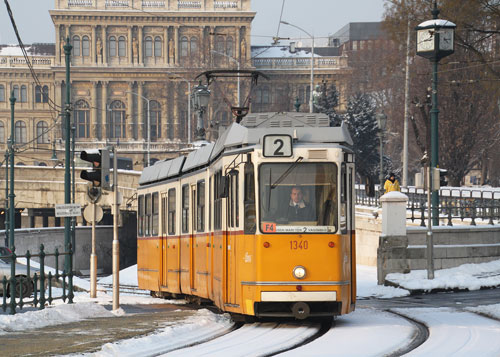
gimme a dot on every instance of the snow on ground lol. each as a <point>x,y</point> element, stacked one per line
<point>378,333</point>
<point>203,325</point>
<point>467,276</point>
<point>455,333</point>
<point>366,279</point>
<point>488,310</point>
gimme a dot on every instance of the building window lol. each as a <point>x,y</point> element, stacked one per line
<point>82,119</point>
<point>155,120</point>
<point>116,124</point>
<point>194,46</point>
<point>41,94</point>
<point>85,46</point>
<point>184,46</point>
<point>229,46</point>
<point>122,48</point>
<point>45,94</point>
<point>42,132</point>
<point>2,93</point>
<point>112,46</point>
<point>266,97</point>
<point>20,132</point>
<point>24,94</point>
<point>219,44</point>
<point>158,46</point>
<point>38,94</point>
<point>148,47</point>
<point>76,46</point>
<point>15,89</point>
<point>2,132</point>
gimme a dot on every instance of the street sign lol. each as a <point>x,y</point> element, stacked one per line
<point>88,213</point>
<point>69,210</point>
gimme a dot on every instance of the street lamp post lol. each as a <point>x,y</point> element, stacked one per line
<point>200,98</point>
<point>149,126</point>
<point>435,40</point>
<point>381,121</point>
<point>311,109</point>
<point>238,67</point>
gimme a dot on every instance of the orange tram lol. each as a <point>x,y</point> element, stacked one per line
<point>261,222</point>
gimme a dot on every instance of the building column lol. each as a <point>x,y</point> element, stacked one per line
<point>130,52</point>
<point>104,109</point>
<point>58,47</point>
<point>201,47</point>
<point>165,46</point>
<point>141,46</point>
<point>176,44</point>
<point>104,45</point>
<point>130,112</point>
<point>176,110</point>
<point>142,133</point>
<point>93,112</point>
<point>93,51</point>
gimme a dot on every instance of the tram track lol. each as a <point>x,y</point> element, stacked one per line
<point>421,335</point>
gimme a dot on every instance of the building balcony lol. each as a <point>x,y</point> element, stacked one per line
<point>301,62</point>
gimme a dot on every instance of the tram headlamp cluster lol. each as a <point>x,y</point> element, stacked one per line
<point>299,272</point>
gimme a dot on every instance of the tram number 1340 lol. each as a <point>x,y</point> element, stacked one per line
<point>299,244</point>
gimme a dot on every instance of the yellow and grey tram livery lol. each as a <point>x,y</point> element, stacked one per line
<point>261,222</point>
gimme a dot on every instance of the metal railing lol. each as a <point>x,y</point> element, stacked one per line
<point>455,203</point>
<point>35,289</point>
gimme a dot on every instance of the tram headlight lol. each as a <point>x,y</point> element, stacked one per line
<point>299,272</point>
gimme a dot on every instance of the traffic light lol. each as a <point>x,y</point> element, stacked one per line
<point>443,180</point>
<point>99,176</point>
<point>439,178</point>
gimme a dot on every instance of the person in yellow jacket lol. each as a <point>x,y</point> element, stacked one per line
<point>391,184</point>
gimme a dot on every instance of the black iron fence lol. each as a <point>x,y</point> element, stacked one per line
<point>455,203</point>
<point>25,285</point>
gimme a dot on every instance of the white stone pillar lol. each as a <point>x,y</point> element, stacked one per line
<point>394,213</point>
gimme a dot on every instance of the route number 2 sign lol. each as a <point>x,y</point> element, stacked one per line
<point>277,146</point>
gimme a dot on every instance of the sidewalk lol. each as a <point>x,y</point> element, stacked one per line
<point>89,335</point>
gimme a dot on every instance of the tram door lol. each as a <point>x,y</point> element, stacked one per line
<point>232,223</point>
<point>163,237</point>
<point>192,238</point>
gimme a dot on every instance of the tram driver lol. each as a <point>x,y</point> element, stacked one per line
<point>298,209</point>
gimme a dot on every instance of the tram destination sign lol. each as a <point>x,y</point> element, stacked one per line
<point>69,210</point>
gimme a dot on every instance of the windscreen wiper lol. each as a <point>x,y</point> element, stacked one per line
<point>286,173</point>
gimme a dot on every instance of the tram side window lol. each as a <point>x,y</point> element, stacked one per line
<point>217,201</point>
<point>200,206</point>
<point>140,221</point>
<point>155,209</point>
<point>164,202</point>
<point>147,218</point>
<point>249,200</point>
<point>185,208</point>
<point>233,201</point>
<point>171,211</point>
<point>210,199</point>
<point>343,198</point>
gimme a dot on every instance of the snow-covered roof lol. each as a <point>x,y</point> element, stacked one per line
<point>280,52</point>
<point>36,49</point>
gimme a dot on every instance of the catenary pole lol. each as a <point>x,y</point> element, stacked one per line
<point>67,160</point>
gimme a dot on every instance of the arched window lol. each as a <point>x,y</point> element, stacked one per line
<point>155,120</point>
<point>112,46</point>
<point>184,46</point>
<point>24,94</point>
<point>45,94</point>
<point>2,132</point>
<point>148,47</point>
<point>2,93</point>
<point>194,46</point>
<point>20,132</point>
<point>158,46</point>
<point>76,46</point>
<point>116,123</point>
<point>15,89</point>
<point>38,94</point>
<point>219,44</point>
<point>229,46</point>
<point>82,119</point>
<point>85,46</point>
<point>42,132</point>
<point>122,48</point>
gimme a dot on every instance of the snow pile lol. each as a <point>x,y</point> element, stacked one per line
<point>467,276</point>
<point>488,310</point>
<point>64,313</point>
<point>367,285</point>
<point>202,326</point>
<point>128,276</point>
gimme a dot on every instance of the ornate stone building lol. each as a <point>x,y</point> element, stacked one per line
<point>133,62</point>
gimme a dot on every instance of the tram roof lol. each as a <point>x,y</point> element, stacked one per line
<point>303,127</point>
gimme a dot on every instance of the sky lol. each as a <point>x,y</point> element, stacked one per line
<point>318,17</point>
